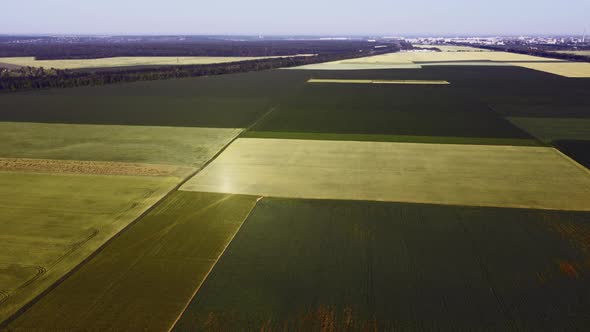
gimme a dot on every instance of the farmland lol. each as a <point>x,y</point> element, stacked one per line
<point>416,60</point>
<point>400,172</point>
<point>578,150</point>
<point>136,144</point>
<point>566,69</point>
<point>340,265</point>
<point>52,222</point>
<point>170,251</point>
<point>585,53</point>
<point>122,61</point>
<point>412,82</point>
<point>452,48</point>
<point>377,109</point>
<point>550,129</point>
<point>232,101</point>
<point>303,199</point>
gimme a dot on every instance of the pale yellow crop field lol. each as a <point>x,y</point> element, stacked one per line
<point>137,144</point>
<point>51,222</point>
<point>452,56</point>
<point>453,48</point>
<point>126,61</point>
<point>415,60</point>
<point>411,82</point>
<point>339,65</point>
<point>584,53</point>
<point>502,176</point>
<point>566,69</point>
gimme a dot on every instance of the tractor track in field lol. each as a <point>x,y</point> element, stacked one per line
<point>23,309</point>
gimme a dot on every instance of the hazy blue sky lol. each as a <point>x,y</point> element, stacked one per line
<point>295,17</point>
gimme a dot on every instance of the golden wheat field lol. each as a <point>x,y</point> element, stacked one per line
<point>124,61</point>
<point>471,175</point>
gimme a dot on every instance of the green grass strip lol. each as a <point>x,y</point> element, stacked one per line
<point>393,138</point>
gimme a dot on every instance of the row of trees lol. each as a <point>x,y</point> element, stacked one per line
<point>34,78</point>
<point>50,50</point>
<point>539,50</point>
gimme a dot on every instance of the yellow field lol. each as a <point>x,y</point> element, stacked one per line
<point>566,69</point>
<point>339,65</point>
<point>415,60</point>
<point>92,167</point>
<point>124,61</point>
<point>414,82</point>
<point>584,53</point>
<point>411,57</point>
<point>453,48</point>
<point>51,222</point>
<point>190,146</point>
<point>503,176</point>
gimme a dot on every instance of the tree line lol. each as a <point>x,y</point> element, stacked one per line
<point>40,78</point>
<point>538,50</point>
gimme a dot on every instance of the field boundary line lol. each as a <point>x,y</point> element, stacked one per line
<point>27,306</point>
<point>188,303</point>
<point>76,268</point>
<point>518,207</point>
<point>571,160</point>
<point>260,119</point>
<point>512,124</point>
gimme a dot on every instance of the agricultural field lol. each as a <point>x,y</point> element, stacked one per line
<point>399,172</point>
<point>454,48</point>
<point>227,101</point>
<point>124,61</point>
<point>579,150</point>
<point>136,144</point>
<point>304,265</point>
<point>53,220</point>
<point>411,60</point>
<point>566,69</point>
<point>411,82</point>
<point>584,53</point>
<point>339,65</point>
<point>290,199</point>
<point>169,252</point>
<point>551,129</point>
<point>450,111</point>
<point>545,110</point>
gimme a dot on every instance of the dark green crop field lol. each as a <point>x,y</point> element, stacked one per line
<point>549,110</point>
<point>578,150</point>
<point>340,265</point>
<point>227,101</point>
<point>459,110</point>
<point>309,265</point>
<point>143,279</point>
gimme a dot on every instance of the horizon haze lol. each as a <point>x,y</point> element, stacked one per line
<point>265,17</point>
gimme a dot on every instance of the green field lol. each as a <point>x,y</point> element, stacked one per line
<point>142,144</point>
<point>338,265</point>
<point>147,275</point>
<point>546,110</point>
<point>579,150</point>
<point>392,138</point>
<point>552,129</point>
<point>355,242</point>
<point>393,110</point>
<point>227,101</point>
<point>52,222</point>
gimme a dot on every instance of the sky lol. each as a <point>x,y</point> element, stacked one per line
<point>301,17</point>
